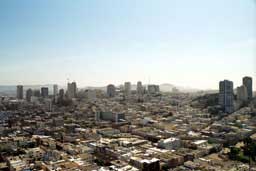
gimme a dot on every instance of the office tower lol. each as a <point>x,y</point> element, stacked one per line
<point>242,94</point>
<point>247,82</point>
<point>44,92</point>
<point>55,89</point>
<point>19,92</point>
<point>111,90</point>
<point>153,89</point>
<point>36,93</point>
<point>72,89</point>
<point>29,94</point>
<point>157,88</point>
<point>48,104</point>
<point>127,88</point>
<point>140,88</point>
<point>61,94</point>
<point>226,96</point>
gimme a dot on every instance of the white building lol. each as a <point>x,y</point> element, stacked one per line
<point>170,143</point>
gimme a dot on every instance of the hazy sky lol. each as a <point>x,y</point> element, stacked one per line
<point>96,42</point>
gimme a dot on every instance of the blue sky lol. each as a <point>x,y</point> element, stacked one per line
<point>97,42</point>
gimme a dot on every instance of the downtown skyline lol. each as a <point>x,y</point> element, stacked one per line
<point>128,85</point>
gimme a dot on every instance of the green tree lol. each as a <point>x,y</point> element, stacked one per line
<point>234,152</point>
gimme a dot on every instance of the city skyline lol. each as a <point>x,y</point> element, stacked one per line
<point>247,81</point>
<point>128,85</point>
<point>98,43</point>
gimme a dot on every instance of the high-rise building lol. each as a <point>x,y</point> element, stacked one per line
<point>19,92</point>
<point>55,89</point>
<point>127,88</point>
<point>111,90</point>
<point>226,96</point>
<point>55,93</point>
<point>247,82</point>
<point>152,89</point>
<point>242,94</point>
<point>44,92</point>
<point>61,94</point>
<point>140,88</point>
<point>48,104</point>
<point>29,94</point>
<point>72,90</point>
<point>36,93</point>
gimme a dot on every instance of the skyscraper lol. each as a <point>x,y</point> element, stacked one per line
<point>44,92</point>
<point>152,89</point>
<point>72,89</point>
<point>55,89</point>
<point>36,93</point>
<point>226,96</point>
<point>111,90</point>
<point>242,94</point>
<point>139,88</point>
<point>29,94</point>
<point>127,88</point>
<point>247,82</point>
<point>19,92</point>
<point>61,94</point>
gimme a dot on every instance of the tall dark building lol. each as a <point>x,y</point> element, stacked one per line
<point>29,94</point>
<point>44,92</point>
<point>226,96</point>
<point>19,92</point>
<point>36,93</point>
<point>61,94</point>
<point>247,82</point>
<point>111,90</point>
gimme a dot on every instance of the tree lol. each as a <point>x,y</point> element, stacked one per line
<point>250,149</point>
<point>234,152</point>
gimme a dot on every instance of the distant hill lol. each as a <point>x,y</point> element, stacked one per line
<point>168,88</point>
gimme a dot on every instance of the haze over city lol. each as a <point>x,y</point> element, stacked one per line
<point>186,43</point>
<point>127,85</point>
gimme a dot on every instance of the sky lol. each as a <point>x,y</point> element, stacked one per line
<point>96,42</point>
